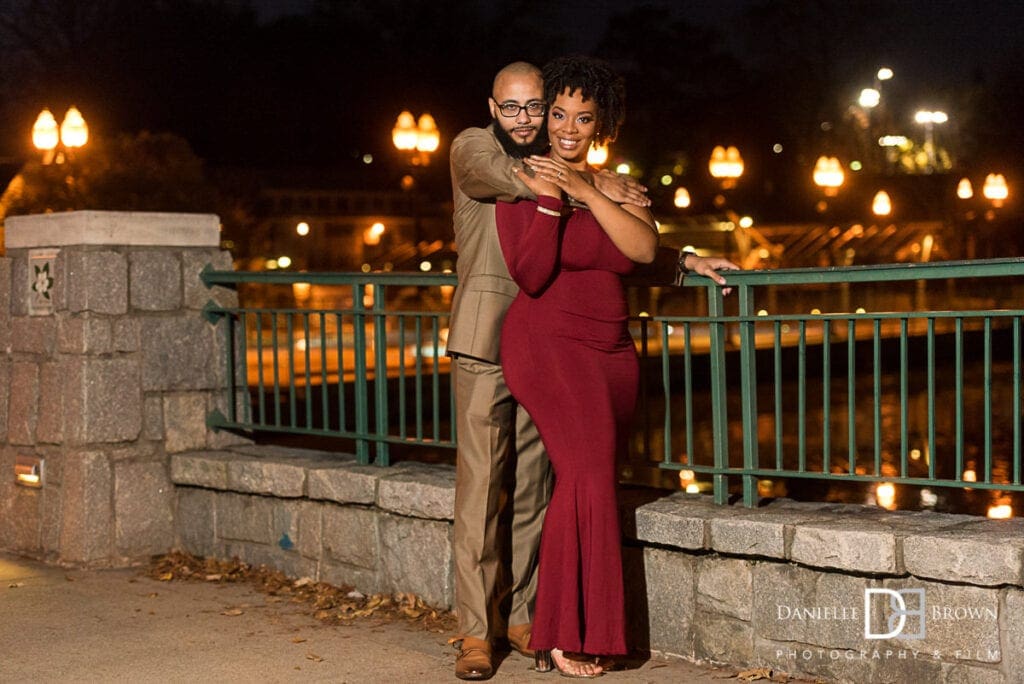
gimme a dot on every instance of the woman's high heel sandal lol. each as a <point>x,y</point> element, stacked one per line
<point>542,660</point>
<point>552,663</point>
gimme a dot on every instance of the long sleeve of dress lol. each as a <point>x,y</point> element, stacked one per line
<point>529,241</point>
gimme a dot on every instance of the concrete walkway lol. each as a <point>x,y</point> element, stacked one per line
<point>59,625</point>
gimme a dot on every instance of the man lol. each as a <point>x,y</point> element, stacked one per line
<point>496,438</point>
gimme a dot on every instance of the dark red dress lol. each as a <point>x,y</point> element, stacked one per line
<point>569,360</point>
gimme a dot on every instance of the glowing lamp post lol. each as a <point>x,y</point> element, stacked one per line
<point>597,155</point>
<point>53,140</point>
<point>726,165</point>
<point>828,175</point>
<point>881,205</point>
<point>995,189</point>
<point>418,138</point>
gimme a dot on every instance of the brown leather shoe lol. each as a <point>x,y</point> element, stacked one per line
<point>519,639</point>
<point>474,659</point>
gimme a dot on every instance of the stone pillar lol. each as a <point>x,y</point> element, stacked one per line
<point>108,367</point>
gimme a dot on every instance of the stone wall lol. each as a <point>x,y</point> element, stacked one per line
<point>781,586</point>
<point>108,367</point>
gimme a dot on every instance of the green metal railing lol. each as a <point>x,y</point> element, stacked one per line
<point>360,370</point>
<point>927,348</point>
<point>740,396</point>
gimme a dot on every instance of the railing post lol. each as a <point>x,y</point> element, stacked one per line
<point>748,392</point>
<point>359,344</point>
<point>719,407</point>
<point>380,373</point>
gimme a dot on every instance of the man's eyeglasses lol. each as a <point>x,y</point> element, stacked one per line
<point>511,109</point>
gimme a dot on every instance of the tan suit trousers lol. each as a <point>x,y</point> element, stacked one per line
<point>499,453</point>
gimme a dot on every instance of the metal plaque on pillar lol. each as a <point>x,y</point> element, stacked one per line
<point>42,268</point>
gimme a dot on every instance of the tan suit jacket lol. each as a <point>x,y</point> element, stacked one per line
<point>481,174</point>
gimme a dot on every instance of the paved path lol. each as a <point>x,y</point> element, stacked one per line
<point>59,625</point>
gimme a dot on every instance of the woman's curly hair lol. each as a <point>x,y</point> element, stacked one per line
<point>596,81</point>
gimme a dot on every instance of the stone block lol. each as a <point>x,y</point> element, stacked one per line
<point>23,407</point>
<point>195,521</point>
<point>126,334</point>
<point>180,353</point>
<point>256,476</point>
<point>245,518</point>
<point>678,520</point>
<point>193,261</point>
<point>34,334</point>
<point>291,564</point>
<point>340,575</point>
<point>143,509</point>
<point>781,592</point>
<point>84,333</point>
<point>153,418</point>
<point>350,535</point>
<point>1013,631</point>
<point>670,578</point>
<point>419,491</point>
<point>26,521</point>
<point>5,395</point>
<point>866,547</point>
<point>311,529</point>
<point>724,586</point>
<point>5,301</point>
<point>721,639</point>
<point>961,622</point>
<point>964,673</point>
<point>96,280</point>
<point>52,390</point>
<point>416,557</point>
<point>19,289</point>
<point>184,419</point>
<point>87,516</point>
<point>987,553</point>
<point>112,400</point>
<point>344,482</point>
<point>154,280</point>
<point>201,469</point>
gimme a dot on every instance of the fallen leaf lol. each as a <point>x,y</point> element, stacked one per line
<point>15,585</point>
<point>214,577</point>
<point>297,640</point>
<point>314,657</point>
<point>166,577</point>
<point>233,612</point>
<point>755,674</point>
<point>303,581</point>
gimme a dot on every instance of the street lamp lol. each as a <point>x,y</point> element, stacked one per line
<point>929,119</point>
<point>828,175</point>
<point>995,189</point>
<point>419,139</point>
<point>597,155</point>
<point>726,164</point>
<point>881,205</point>
<point>53,140</point>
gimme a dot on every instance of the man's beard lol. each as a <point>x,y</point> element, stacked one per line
<point>515,150</point>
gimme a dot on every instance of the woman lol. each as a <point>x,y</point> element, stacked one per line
<point>570,361</point>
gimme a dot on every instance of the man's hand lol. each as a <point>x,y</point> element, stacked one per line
<point>708,266</point>
<point>621,188</point>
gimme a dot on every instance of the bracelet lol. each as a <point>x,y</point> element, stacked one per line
<point>683,253</point>
<point>549,212</point>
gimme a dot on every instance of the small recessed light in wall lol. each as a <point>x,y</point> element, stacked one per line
<point>28,471</point>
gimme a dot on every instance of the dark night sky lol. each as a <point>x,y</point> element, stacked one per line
<point>229,99</point>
